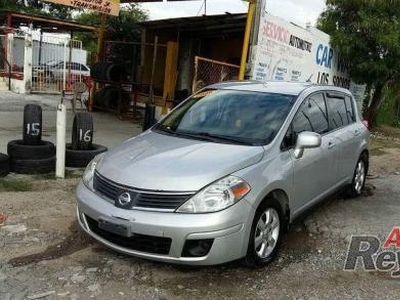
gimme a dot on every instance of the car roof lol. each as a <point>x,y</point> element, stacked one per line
<point>280,87</point>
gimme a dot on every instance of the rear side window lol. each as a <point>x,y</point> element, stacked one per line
<point>350,109</point>
<point>311,116</point>
<point>337,111</point>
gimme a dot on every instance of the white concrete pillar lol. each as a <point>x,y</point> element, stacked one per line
<point>61,129</point>
<point>28,60</point>
<point>10,47</point>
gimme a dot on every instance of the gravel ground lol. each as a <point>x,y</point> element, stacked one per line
<point>44,255</point>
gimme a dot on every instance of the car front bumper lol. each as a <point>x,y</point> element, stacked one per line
<point>229,229</point>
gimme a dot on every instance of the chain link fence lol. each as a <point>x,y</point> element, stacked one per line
<point>209,71</point>
<point>136,60</point>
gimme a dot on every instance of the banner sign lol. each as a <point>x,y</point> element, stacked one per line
<point>287,52</point>
<point>110,7</point>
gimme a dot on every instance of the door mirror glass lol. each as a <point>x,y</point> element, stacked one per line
<point>306,139</point>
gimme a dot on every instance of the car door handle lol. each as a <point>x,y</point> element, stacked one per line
<point>331,145</point>
<point>356,132</point>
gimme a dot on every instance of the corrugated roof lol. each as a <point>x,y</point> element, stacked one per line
<point>202,25</point>
<point>46,23</point>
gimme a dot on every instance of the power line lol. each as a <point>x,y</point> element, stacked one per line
<point>201,7</point>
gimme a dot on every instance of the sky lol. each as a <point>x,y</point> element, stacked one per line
<point>299,12</point>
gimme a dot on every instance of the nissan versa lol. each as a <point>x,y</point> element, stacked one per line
<point>222,176</point>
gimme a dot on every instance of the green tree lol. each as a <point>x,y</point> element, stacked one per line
<point>38,7</point>
<point>121,28</point>
<point>367,34</point>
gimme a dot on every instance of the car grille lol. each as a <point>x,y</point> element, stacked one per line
<point>138,242</point>
<point>144,199</point>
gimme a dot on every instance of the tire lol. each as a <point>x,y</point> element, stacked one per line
<point>93,70</point>
<point>4,165</point>
<point>110,72</point>
<point>101,71</point>
<point>255,257</point>
<point>82,131</point>
<point>32,126</point>
<point>33,166</point>
<point>354,190</point>
<point>115,73</point>
<point>81,158</point>
<point>16,149</point>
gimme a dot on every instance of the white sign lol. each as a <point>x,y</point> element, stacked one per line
<point>110,7</point>
<point>287,52</point>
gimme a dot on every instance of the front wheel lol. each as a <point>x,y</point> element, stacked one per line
<point>360,173</point>
<point>266,234</point>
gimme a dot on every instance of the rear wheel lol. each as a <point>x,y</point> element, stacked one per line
<point>266,234</point>
<point>360,173</point>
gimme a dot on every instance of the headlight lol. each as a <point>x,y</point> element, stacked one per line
<point>217,196</point>
<point>87,177</point>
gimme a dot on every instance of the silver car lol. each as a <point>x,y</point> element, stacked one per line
<point>222,176</point>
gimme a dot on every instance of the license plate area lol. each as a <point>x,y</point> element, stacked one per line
<point>112,227</point>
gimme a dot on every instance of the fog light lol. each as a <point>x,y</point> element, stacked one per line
<point>197,248</point>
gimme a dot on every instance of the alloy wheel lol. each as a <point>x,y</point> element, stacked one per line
<point>267,233</point>
<point>359,177</point>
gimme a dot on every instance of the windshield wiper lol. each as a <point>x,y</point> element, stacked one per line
<point>214,137</point>
<point>205,136</point>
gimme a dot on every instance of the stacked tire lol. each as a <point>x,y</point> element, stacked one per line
<point>106,71</point>
<point>82,150</point>
<point>4,165</point>
<point>32,155</point>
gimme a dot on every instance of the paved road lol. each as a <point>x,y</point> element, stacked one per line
<point>108,129</point>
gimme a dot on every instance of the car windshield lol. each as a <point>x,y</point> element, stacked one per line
<point>229,116</point>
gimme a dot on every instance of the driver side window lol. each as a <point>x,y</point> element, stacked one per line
<point>311,116</point>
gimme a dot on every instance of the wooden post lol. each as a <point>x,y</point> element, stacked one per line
<point>196,66</point>
<point>100,51</point>
<point>153,68</point>
<point>171,74</point>
<point>246,40</point>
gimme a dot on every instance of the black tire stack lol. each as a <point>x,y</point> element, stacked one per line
<point>106,71</point>
<point>4,165</point>
<point>31,155</point>
<point>81,150</point>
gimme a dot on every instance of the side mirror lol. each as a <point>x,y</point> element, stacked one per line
<point>306,139</point>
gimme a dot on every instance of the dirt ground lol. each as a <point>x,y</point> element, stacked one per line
<point>44,255</point>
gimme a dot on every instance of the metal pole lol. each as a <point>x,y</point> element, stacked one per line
<point>246,40</point>
<point>40,47</point>
<point>64,64</point>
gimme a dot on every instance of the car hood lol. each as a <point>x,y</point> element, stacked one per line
<point>161,162</point>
